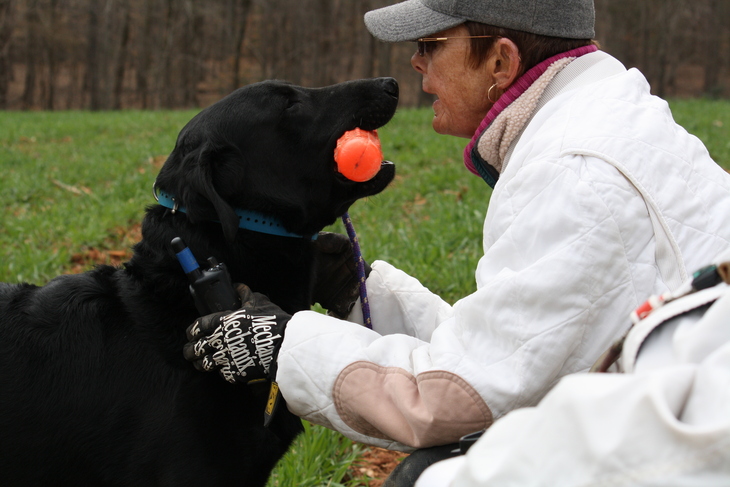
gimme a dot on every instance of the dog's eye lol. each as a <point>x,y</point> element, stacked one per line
<point>293,104</point>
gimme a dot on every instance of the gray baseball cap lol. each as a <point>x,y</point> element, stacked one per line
<point>409,20</point>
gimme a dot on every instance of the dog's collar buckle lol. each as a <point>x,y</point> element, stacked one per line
<point>175,204</point>
<point>247,219</point>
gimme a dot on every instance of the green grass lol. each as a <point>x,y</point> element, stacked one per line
<point>318,458</point>
<point>70,179</point>
<point>710,121</point>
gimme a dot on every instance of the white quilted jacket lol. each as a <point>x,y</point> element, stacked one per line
<point>604,201</point>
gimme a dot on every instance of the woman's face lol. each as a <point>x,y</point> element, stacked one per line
<point>462,101</point>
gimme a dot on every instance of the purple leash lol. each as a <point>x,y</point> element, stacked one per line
<point>360,263</point>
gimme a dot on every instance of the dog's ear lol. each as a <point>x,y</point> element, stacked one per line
<point>190,177</point>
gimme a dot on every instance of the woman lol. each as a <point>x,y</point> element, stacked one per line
<point>599,200</point>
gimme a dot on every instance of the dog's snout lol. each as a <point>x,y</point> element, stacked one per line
<point>367,104</point>
<point>390,86</point>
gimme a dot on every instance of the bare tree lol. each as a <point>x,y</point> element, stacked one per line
<point>168,35</point>
<point>104,54</point>
<point>94,60</point>
<point>33,52</point>
<point>711,40</point>
<point>144,56</point>
<point>239,13</point>
<point>7,11</point>
<point>125,14</point>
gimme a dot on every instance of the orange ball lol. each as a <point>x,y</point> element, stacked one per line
<point>358,155</point>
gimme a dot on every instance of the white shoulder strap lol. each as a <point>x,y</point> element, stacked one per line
<point>584,71</point>
<point>667,254</point>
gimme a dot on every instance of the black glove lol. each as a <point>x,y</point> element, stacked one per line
<point>336,283</point>
<point>241,345</point>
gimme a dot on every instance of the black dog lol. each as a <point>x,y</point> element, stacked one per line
<point>94,389</point>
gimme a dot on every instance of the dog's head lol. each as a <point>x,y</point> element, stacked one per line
<point>269,147</point>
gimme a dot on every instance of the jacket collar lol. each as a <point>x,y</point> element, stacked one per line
<point>473,159</point>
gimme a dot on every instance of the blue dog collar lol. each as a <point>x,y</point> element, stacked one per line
<point>247,219</point>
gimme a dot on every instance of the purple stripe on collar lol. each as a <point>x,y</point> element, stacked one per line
<point>514,92</point>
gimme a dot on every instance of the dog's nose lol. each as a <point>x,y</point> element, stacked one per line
<point>390,86</point>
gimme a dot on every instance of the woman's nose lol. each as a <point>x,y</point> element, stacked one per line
<point>418,62</point>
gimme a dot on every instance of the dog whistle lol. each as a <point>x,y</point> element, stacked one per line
<point>211,288</point>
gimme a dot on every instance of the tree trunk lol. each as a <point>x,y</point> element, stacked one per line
<point>168,91</point>
<point>123,54</point>
<point>34,55</point>
<point>712,44</point>
<point>48,36</point>
<point>143,68</point>
<point>7,11</point>
<point>239,19</point>
<point>92,82</point>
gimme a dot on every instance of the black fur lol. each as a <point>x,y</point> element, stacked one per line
<point>93,386</point>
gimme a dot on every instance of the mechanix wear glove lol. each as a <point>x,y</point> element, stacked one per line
<point>336,283</point>
<point>241,345</point>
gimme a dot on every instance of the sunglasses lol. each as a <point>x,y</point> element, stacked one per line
<point>427,44</point>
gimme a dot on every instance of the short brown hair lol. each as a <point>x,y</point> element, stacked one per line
<point>533,48</point>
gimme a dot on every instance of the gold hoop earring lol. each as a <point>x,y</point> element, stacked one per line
<point>489,93</point>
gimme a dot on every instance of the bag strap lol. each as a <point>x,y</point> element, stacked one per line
<point>668,256</point>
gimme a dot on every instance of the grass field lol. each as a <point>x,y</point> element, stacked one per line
<point>74,180</point>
